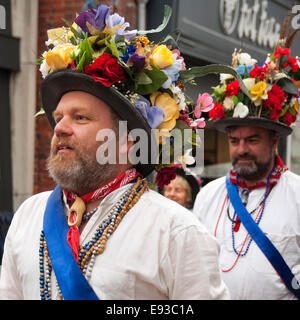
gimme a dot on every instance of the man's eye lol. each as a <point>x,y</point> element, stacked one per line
<point>81,117</point>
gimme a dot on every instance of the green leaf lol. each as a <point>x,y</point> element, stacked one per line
<point>157,76</point>
<point>195,72</point>
<point>142,79</point>
<point>167,16</point>
<point>288,86</point>
<point>235,100</point>
<point>111,44</point>
<point>85,55</point>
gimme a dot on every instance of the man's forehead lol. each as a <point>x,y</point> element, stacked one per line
<point>247,131</point>
<point>82,100</point>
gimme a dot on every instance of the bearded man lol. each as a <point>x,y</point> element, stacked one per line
<point>269,193</point>
<point>102,234</point>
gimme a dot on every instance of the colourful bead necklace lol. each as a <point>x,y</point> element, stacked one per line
<point>97,244</point>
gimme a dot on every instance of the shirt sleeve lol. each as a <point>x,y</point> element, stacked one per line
<point>194,266</point>
<point>10,284</point>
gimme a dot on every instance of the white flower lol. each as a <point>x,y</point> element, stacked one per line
<point>240,111</point>
<point>44,69</point>
<point>179,97</point>
<point>186,159</point>
<point>249,83</point>
<point>225,76</point>
<point>245,58</point>
<point>228,103</point>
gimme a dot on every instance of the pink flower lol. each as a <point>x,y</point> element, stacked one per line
<point>204,104</point>
<point>198,123</point>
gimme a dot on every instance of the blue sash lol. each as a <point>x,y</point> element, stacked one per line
<point>262,240</point>
<point>72,282</point>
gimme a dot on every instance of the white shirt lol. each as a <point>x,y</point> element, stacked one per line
<point>253,277</point>
<point>159,251</point>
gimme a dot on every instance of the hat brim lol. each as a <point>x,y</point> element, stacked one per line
<point>60,82</point>
<point>224,124</point>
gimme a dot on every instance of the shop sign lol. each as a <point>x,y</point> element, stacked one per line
<point>251,21</point>
<point>2,17</point>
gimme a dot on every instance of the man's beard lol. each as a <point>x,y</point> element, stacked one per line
<point>254,170</point>
<point>82,174</point>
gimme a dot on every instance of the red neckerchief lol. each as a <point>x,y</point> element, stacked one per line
<point>73,236</point>
<point>275,176</point>
<point>102,192</point>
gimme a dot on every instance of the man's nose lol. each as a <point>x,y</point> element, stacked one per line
<point>243,147</point>
<point>63,127</point>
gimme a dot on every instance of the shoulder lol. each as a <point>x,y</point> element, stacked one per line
<point>33,206</point>
<point>290,178</point>
<point>167,212</point>
<point>35,200</point>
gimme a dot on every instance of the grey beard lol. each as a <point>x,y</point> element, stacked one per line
<point>254,172</point>
<point>82,176</point>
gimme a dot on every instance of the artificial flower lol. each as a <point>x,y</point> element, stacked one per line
<point>245,59</point>
<point>243,69</point>
<point>240,111</point>
<point>172,72</point>
<point>57,36</point>
<point>186,159</point>
<point>281,51</point>
<point>217,112</point>
<point>289,118</point>
<point>165,176</point>
<point>170,108</point>
<point>204,104</point>
<point>59,57</point>
<point>153,115</point>
<point>162,57</point>
<point>106,70</point>
<point>233,88</point>
<point>249,83</point>
<point>178,96</point>
<point>258,92</point>
<point>198,123</point>
<point>258,72</point>
<point>225,76</point>
<point>228,103</point>
<point>93,18</point>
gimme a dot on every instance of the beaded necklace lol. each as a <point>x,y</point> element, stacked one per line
<point>97,244</point>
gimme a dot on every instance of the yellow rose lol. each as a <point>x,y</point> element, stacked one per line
<point>161,57</point>
<point>59,57</point>
<point>258,92</point>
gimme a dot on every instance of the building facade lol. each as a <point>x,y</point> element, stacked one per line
<point>209,31</point>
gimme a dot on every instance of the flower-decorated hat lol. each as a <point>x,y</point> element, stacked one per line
<point>140,80</point>
<point>272,97</point>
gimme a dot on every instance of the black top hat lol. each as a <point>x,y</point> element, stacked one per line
<point>225,123</point>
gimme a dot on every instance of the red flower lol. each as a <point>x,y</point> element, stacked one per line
<point>281,51</point>
<point>293,64</point>
<point>289,119</point>
<point>165,176</point>
<point>278,92</point>
<point>258,72</point>
<point>233,88</point>
<point>217,112</point>
<point>106,70</point>
<point>275,114</point>
<point>272,102</point>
